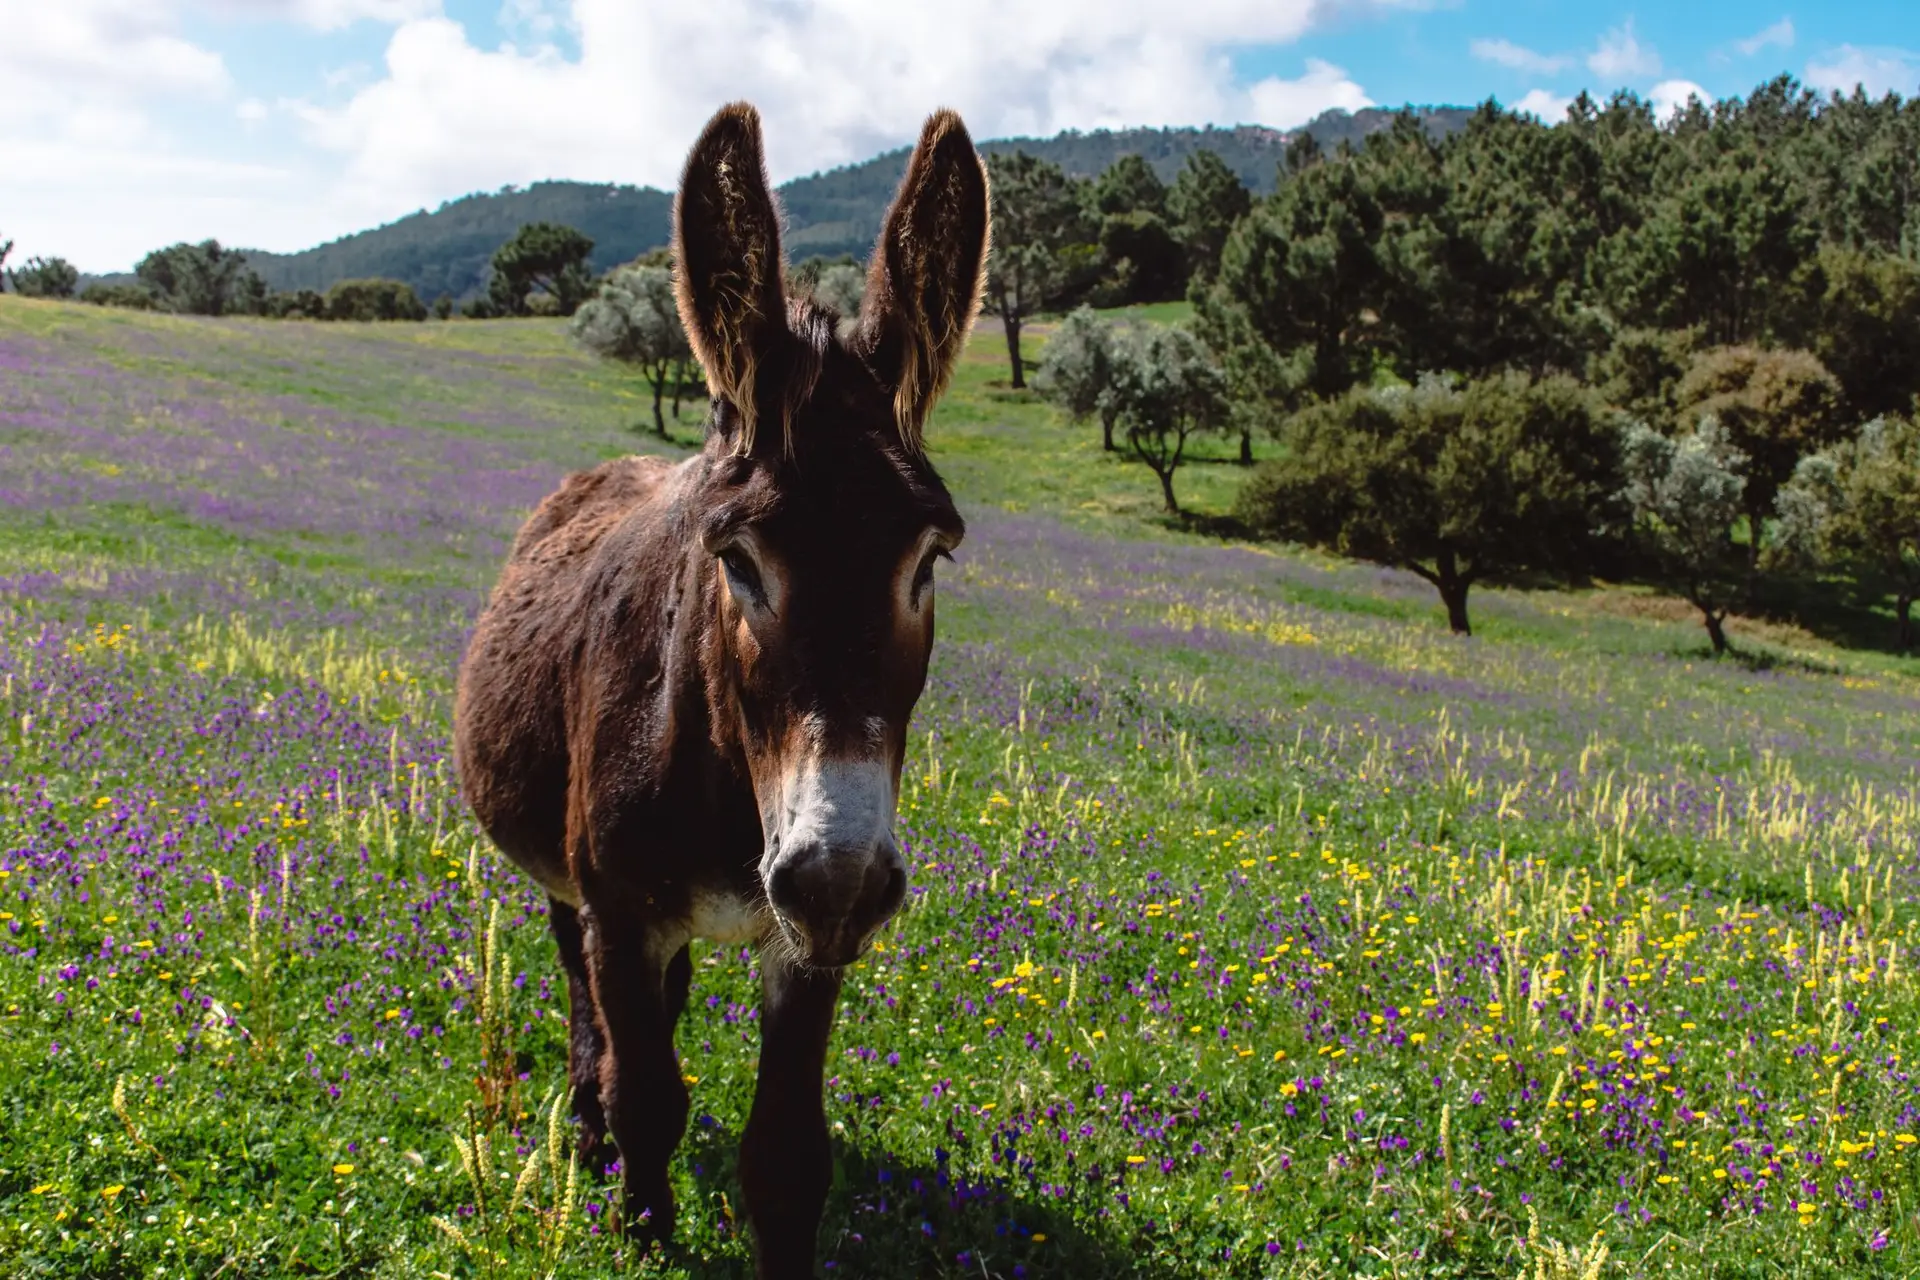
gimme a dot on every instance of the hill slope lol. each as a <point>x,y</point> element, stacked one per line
<point>839,211</point>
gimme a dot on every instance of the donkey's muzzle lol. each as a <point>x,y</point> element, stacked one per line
<point>830,902</point>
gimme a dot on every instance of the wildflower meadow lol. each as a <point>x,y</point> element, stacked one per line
<point>1257,926</point>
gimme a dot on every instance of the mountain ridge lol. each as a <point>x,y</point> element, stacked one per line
<point>830,212</point>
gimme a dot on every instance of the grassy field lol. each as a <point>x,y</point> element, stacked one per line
<point>1259,927</point>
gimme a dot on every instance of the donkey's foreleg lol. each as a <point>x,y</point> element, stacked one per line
<point>584,1041</point>
<point>641,1089</point>
<point>785,1163</point>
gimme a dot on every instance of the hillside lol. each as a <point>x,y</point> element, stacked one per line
<point>1259,928</point>
<point>447,250</point>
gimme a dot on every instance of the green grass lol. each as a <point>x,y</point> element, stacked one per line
<point>1261,927</point>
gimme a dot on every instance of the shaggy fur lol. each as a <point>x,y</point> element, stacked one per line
<point>671,647</point>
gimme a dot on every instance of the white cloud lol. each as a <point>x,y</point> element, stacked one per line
<point>1286,103</point>
<point>1779,35</point>
<point>1669,96</point>
<point>834,82</point>
<point>1620,56</point>
<point>94,95</point>
<point>1878,71</point>
<point>326,15</point>
<point>1506,53</point>
<point>1549,106</point>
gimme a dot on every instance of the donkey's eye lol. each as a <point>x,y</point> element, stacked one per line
<point>742,574</point>
<point>923,576</point>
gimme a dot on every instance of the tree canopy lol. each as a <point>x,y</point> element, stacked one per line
<point>634,318</point>
<point>543,266</point>
<point>1451,483</point>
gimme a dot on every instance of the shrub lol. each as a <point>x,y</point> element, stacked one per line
<point>374,300</point>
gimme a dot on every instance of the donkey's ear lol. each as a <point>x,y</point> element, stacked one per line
<point>726,248</point>
<point>928,271</point>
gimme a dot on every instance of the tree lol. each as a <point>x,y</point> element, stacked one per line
<point>1130,186</point>
<point>1684,496</point>
<point>1775,407</point>
<point>202,279</point>
<point>633,318</point>
<point>1077,370</point>
<point>46,278</point>
<point>374,300</point>
<point>840,288</point>
<point>1164,389</point>
<point>6,247</point>
<point>1206,199</point>
<point>1298,277</point>
<point>1857,505</point>
<point>1037,220</point>
<point>545,259</point>
<point>1865,327</point>
<point>1451,484</point>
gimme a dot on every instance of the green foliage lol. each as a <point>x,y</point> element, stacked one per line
<point>1038,223</point>
<point>1774,406</point>
<point>840,288</point>
<point>45,278</point>
<point>634,318</point>
<point>374,300</point>
<point>1296,276</point>
<point>1864,325</point>
<point>1857,506</point>
<point>1452,484</point>
<point>132,297</point>
<point>1129,185</point>
<point>1683,496</point>
<point>1206,199</point>
<point>202,279</point>
<point>1078,369</point>
<point>1163,388</point>
<point>544,268</point>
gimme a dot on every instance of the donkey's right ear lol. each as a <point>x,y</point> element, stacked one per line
<point>726,249</point>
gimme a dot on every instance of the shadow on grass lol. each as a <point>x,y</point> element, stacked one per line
<point>887,1217</point>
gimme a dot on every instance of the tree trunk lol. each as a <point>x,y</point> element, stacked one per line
<point>1453,594</point>
<point>659,390</point>
<point>1012,325</point>
<point>1166,491</point>
<point>1903,610</point>
<point>1106,432</point>
<point>1716,632</point>
<point>679,385</point>
<point>1246,446</point>
<point>1453,586</point>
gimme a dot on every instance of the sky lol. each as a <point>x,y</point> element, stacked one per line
<point>278,124</point>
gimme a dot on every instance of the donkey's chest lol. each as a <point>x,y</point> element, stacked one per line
<point>720,915</point>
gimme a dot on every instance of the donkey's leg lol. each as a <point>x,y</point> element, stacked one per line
<point>584,1042</point>
<point>785,1163</point>
<point>640,1085</point>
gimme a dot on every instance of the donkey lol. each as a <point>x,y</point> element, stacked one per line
<point>685,706</point>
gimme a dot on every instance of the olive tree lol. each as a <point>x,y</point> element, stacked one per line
<point>1164,389</point>
<point>1684,495</point>
<point>1077,369</point>
<point>633,318</point>
<point>1449,483</point>
<point>1857,506</point>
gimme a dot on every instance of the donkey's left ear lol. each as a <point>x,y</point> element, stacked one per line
<point>928,271</point>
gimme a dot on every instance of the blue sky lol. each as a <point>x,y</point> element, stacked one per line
<point>281,123</point>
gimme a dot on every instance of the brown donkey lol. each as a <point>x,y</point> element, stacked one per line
<point>685,706</point>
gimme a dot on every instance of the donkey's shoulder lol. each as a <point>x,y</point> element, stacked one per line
<point>587,504</point>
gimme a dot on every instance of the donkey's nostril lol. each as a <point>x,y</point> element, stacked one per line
<point>783,888</point>
<point>896,887</point>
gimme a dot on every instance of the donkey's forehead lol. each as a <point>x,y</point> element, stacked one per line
<point>839,476</point>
